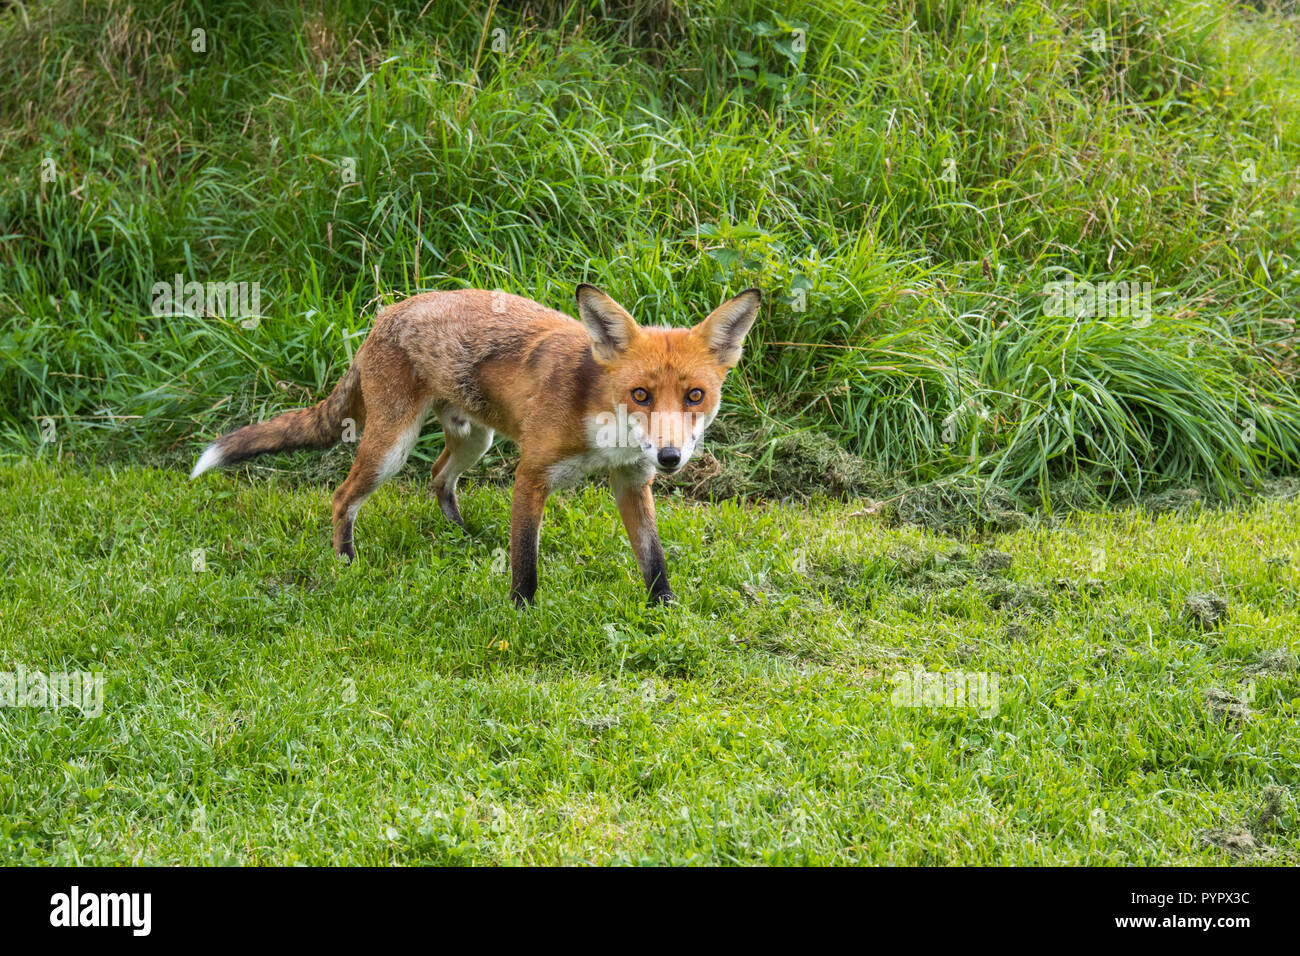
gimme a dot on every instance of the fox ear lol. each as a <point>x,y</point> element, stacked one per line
<point>611,329</point>
<point>724,330</point>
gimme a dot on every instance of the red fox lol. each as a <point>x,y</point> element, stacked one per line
<point>603,395</point>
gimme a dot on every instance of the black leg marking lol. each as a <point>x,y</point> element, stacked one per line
<point>523,565</point>
<point>656,576</point>
<point>450,507</point>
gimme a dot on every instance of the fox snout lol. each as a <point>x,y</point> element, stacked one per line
<point>667,438</point>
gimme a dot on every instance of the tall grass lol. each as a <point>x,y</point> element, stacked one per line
<point>901,178</point>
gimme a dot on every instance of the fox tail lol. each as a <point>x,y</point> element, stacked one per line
<point>317,427</point>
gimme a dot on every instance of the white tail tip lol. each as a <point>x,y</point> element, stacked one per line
<point>210,458</point>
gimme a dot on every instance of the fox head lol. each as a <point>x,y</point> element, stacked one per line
<point>669,380</point>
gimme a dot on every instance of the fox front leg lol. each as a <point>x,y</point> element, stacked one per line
<point>525,529</point>
<point>636,506</point>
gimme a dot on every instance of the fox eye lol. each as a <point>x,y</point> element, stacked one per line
<point>695,396</point>
<point>640,396</point>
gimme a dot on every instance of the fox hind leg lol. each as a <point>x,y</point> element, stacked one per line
<point>383,449</point>
<point>467,442</point>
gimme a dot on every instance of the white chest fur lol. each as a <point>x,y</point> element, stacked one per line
<point>569,471</point>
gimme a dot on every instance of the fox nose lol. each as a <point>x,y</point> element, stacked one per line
<point>669,457</point>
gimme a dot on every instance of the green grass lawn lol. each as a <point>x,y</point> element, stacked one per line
<point>278,707</point>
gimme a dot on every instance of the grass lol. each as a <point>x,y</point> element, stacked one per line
<point>903,179</point>
<point>277,707</point>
